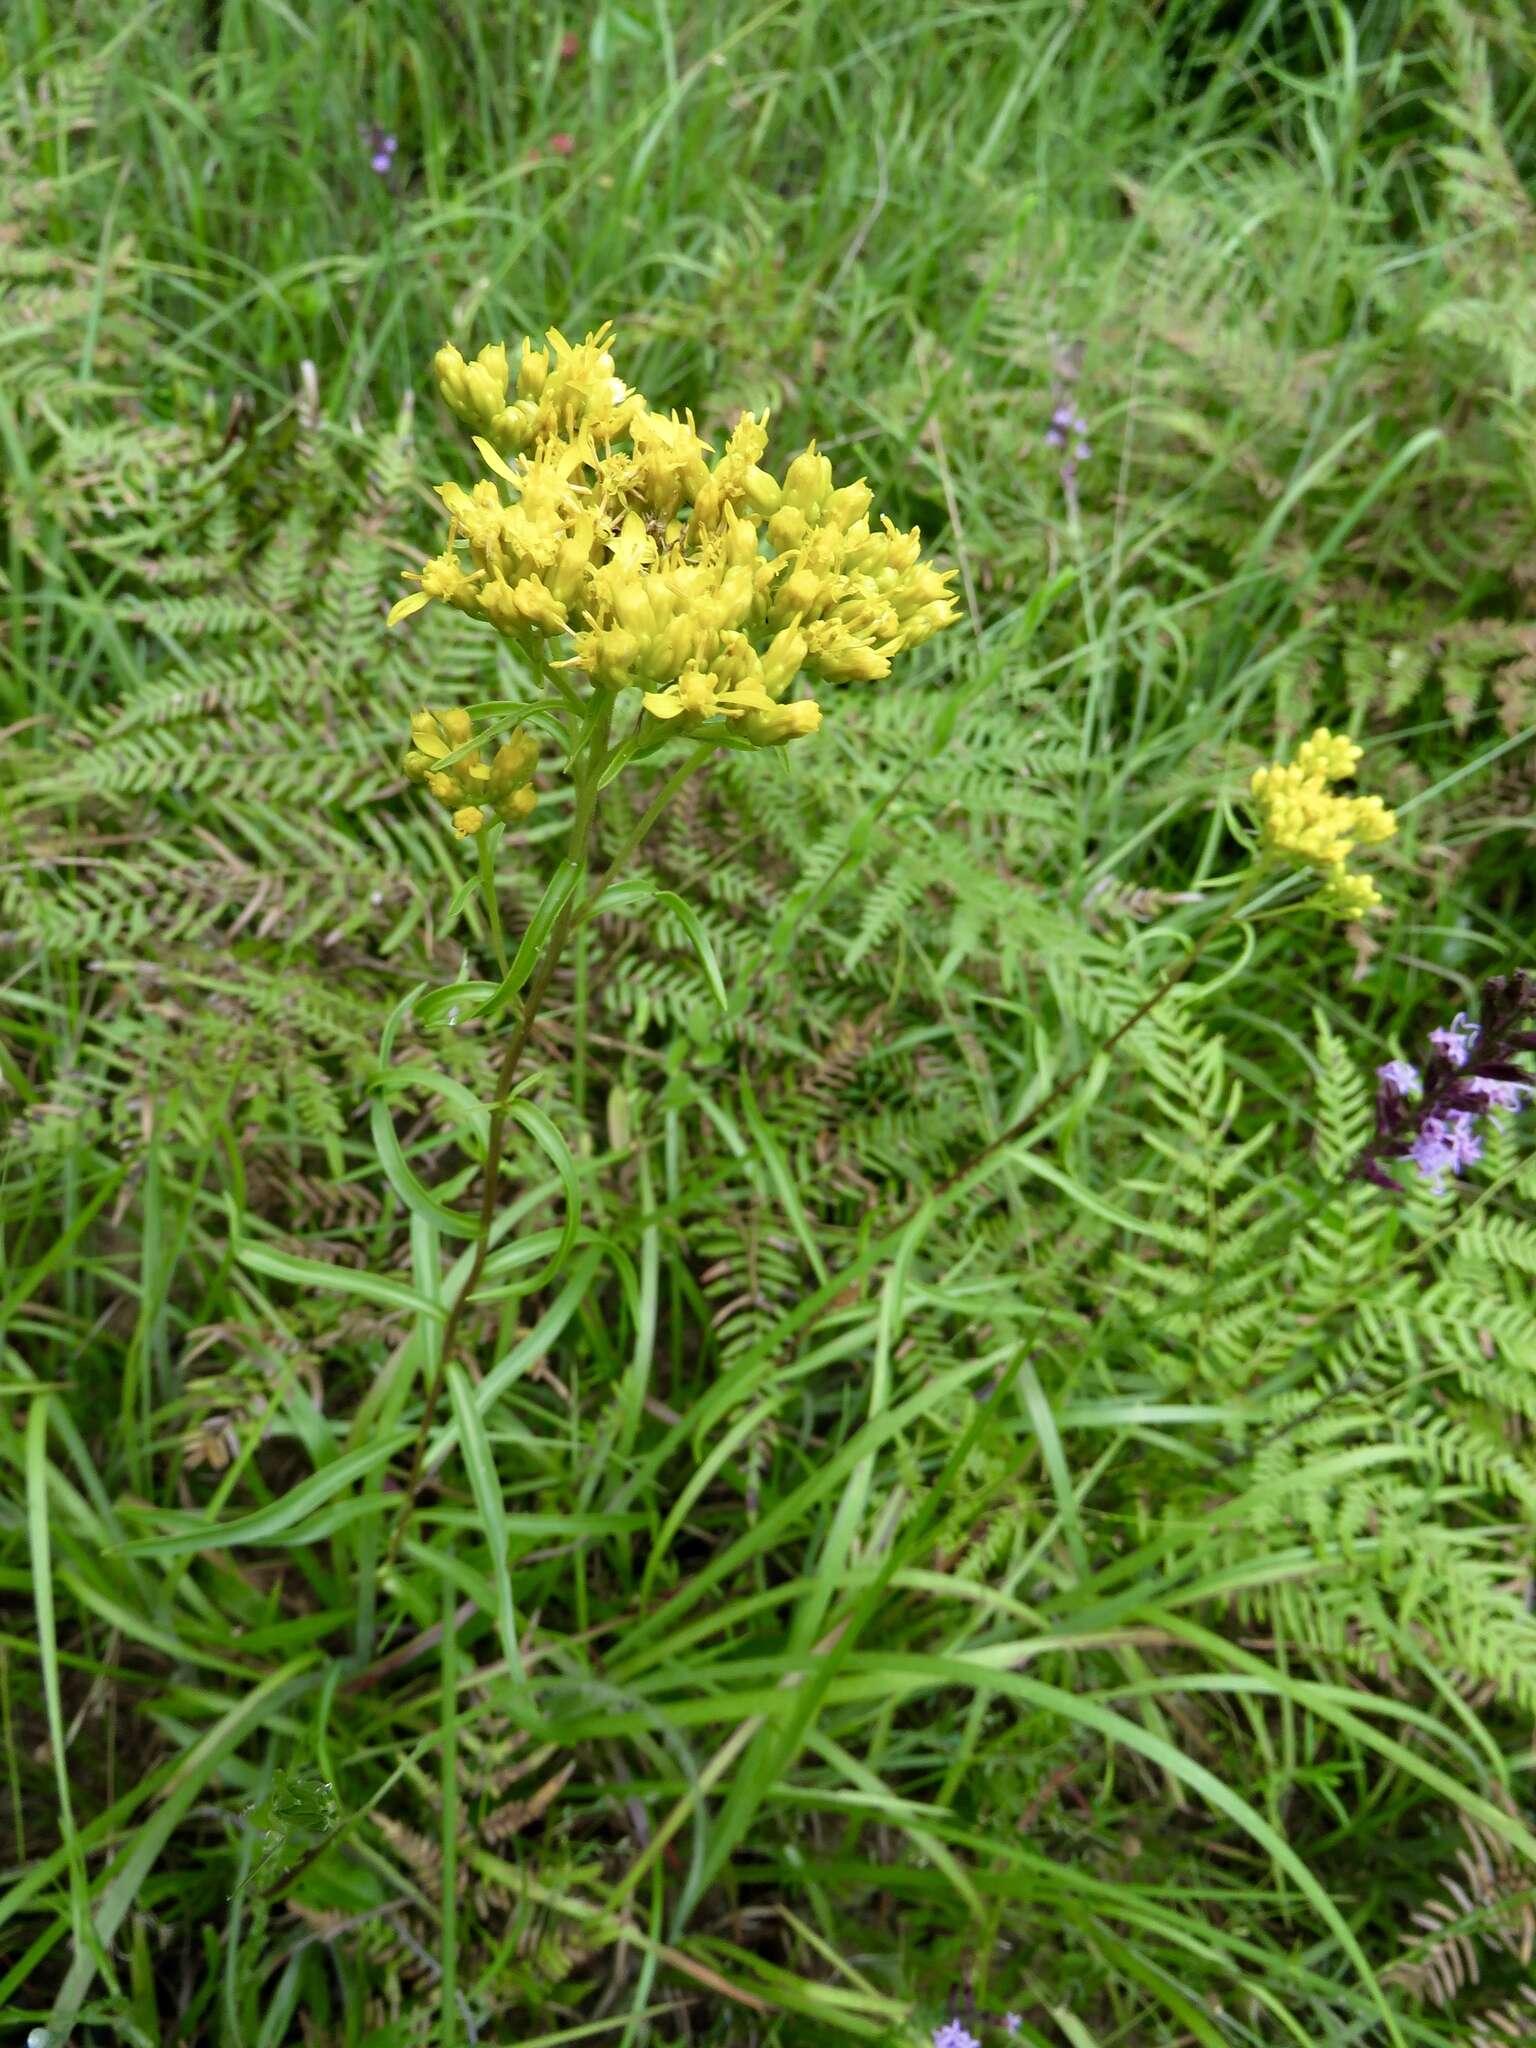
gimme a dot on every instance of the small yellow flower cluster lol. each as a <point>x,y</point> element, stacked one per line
<point>707,585</point>
<point>472,788</point>
<point>1301,819</point>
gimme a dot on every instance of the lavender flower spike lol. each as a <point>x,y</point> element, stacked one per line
<point>1472,1073</point>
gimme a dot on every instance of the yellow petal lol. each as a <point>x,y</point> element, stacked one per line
<point>493,461</point>
<point>406,606</point>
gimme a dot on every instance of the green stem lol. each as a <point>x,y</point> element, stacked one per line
<point>642,826</point>
<point>589,767</point>
<point>488,896</point>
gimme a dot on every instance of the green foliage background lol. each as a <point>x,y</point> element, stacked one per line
<point>1112,1590</point>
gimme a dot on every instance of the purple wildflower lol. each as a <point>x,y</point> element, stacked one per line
<point>1471,1073</point>
<point>1069,431</point>
<point>383,149</point>
<point>1400,1075</point>
<point>1011,2023</point>
<point>1446,1145</point>
<point>1456,1043</point>
<point>1498,1094</point>
<point>953,2034</point>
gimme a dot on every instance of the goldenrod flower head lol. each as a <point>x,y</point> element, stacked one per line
<point>1301,819</point>
<point>443,758</point>
<point>700,580</point>
<point>1347,896</point>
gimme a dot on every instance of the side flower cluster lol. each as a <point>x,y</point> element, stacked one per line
<point>701,580</point>
<point>464,782</point>
<point>1302,820</point>
<point>1431,1118</point>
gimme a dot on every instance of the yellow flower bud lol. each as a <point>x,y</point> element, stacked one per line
<point>808,481</point>
<point>798,594</point>
<point>514,762</point>
<point>482,401</point>
<point>514,426</point>
<point>468,821</point>
<point>573,561</point>
<point>740,541</point>
<point>1330,756</point>
<point>449,366</point>
<point>849,504</point>
<point>778,724</point>
<point>1346,896</point>
<point>922,625</point>
<point>787,529</point>
<point>458,727</point>
<point>517,805</point>
<point>761,491</point>
<point>844,660</point>
<point>498,603</point>
<point>532,371</point>
<point>535,604</point>
<point>783,659</point>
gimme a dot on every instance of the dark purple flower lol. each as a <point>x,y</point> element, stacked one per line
<point>1470,1074</point>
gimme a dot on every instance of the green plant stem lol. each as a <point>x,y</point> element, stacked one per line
<point>639,830</point>
<point>492,907</point>
<point>588,778</point>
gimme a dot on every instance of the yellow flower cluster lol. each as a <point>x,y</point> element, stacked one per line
<point>1301,819</point>
<point>473,789</point>
<point>708,585</point>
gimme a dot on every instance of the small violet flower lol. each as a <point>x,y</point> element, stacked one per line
<point>1066,422</point>
<point>1400,1075</point>
<point>954,2034</point>
<point>1456,1043</point>
<point>1446,1145</point>
<point>1498,1094</point>
<point>1011,2023</point>
<point>383,147</point>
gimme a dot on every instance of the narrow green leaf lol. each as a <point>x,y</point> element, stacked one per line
<point>689,919</point>
<point>191,1533</point>
<point>485,1484</point>
<point>556,895</point>
<point>374,1287</point>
